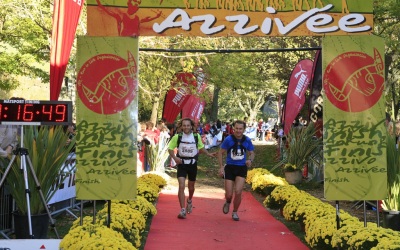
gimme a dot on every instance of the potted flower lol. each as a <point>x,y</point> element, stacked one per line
<point>302,146</point>
<point>47,151</point>
<point>391,205</point>
<point>289,167</point>
<point>293,174</point>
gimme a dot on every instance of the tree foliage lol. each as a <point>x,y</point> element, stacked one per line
<point>240,82</point>
<point>387,26</point>
<point>25,31</point>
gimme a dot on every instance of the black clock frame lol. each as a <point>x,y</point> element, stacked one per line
<point>32,112</point>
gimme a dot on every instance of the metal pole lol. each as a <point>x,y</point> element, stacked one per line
<point>27,191</point>
<point>94,212</point>
<point>365,213</point>
<point>109,214</point>
<point>337,216</point>
<point>81,212</point>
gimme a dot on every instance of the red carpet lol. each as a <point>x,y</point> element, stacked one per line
<point>208,228</point>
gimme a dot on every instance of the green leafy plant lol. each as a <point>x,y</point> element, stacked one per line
<point>48,151</point>
<point>302,146</point>
<point>392,202</point>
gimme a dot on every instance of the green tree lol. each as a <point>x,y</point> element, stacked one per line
<point>386,25</point>
<point>25,31</point>
<point>157,71</point>
<point>249,78</point>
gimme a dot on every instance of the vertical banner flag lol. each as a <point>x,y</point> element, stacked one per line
<point>354,115</point>
<point>178,95</point>
<point>194,107</point>
<point>295,98</point>
<point>65,20</point>
<point>107,118</point>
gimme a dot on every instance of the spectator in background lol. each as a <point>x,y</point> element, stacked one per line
<point>150,133</point>
<point>71,130</point>
<point>8,139</point>
<point>260,130</point>
<point>207,128</point>
<point>9,136</point>
<point>251,132</point>
<point>161,126</point>
<point>171,127</point>
<point>281,140</point>
<point>228,131</point>
<point>200,129</point>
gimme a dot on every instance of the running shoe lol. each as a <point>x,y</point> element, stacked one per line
<point>189,207</point>
<point>182,215</point>
<point>235,217</point>
<point>225,208</point>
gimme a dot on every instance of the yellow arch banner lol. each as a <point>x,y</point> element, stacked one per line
<point>229,17</point>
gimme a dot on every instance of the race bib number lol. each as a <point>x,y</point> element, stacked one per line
<point>187,150</point>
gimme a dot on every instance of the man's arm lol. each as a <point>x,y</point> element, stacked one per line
<point>107,10</point>
<point>171,146</point>
<point>173,156</point>
<point>205,151</point>
<point>220,163</point>
<point>250,158</point>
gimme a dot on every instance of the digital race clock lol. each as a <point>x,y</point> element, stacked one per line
<point>27,112</point>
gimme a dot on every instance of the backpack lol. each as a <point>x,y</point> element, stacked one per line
<point>237,151</point>
<point>196,139</point>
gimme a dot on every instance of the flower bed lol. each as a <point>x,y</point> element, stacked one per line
<point>128,220</point>
<point>319,219</point>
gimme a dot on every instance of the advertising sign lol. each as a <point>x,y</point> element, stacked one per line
<point>107,118</point>
<point>178,95</point>
<point>229,18</point>
<point>295,99</point>
<point>354,115</point>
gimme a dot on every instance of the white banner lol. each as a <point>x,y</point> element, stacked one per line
<point>67,189</point>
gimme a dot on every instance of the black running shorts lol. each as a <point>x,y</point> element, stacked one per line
<point>187,170</point>
<point>232,171</point>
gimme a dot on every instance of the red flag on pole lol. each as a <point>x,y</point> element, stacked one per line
<point>177,97</point>
<point>194,108</point>
<point>298,84</point>
<point>65,20</point>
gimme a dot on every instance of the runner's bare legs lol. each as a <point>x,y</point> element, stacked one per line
<point>236,186</point>
<point>181,191</point>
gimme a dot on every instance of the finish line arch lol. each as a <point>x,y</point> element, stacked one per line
<point>113,28</point>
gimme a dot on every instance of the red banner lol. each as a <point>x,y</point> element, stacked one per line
<point>298,84</point>
<point>177,97</point>
<point>194,108</point>
<point>65,20</point>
